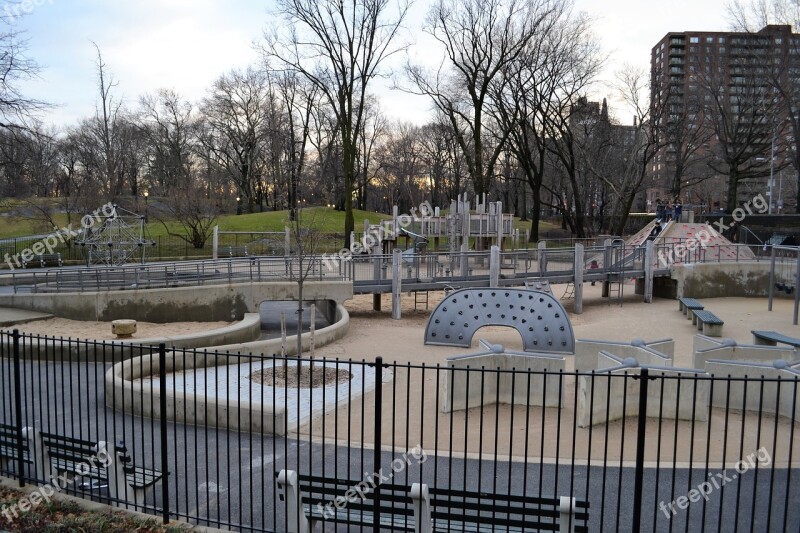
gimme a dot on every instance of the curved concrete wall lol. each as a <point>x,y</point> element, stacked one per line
<point>205,303</point>
<point>244,331</point>
<point>123,381</point>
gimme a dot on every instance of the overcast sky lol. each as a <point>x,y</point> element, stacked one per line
<point>186,44</point>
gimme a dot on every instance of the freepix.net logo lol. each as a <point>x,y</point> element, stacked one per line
<point>48,244</point>
<point>15,10</point>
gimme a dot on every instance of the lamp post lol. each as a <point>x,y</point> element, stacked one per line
<point>771,169</point>
<point>146,194</point>
<point>238,205</point>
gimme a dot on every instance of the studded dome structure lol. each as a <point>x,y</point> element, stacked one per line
<point>537,316</point>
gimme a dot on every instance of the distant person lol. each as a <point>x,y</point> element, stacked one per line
<point>678,211</point>
<point>669,212</point>
<point>659,209</point>
<point>594,266</point>
<point>655,231</point>
<point>733,232</point>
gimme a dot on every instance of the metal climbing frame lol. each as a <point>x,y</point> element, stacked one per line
<point>118,240</point>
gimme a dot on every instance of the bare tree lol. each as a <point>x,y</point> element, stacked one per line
<point>234,129</point>
<point>189,208</point>
<point>481,39</point>
<point>339,46</point>
<point>16,109</point>
<point>782,73</point>
<point>555,67</point>
<point>167,124</point>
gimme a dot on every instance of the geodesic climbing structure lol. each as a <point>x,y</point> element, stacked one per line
<point>115,239</point>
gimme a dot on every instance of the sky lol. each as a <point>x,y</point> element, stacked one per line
<point>185,45</point>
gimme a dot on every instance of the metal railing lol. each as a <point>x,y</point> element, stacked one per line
<point>376,269</point>
<point>218,459</point>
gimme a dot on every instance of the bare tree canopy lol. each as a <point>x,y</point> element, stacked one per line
<point>339,46</point>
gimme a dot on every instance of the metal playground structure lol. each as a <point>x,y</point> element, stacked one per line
<point>119,239</point>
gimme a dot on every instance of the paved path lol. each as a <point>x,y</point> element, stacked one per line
<point>10,316</point>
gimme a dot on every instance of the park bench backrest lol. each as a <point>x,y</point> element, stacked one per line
<point>69,448</point>
<point>510,511</point>
<point>395,499</point>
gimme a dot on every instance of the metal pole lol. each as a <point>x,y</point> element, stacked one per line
<point>771,276</point>
<point>18,412</point>
<point>797,288</point>
<point>640,442</point>
<point>376,511</point>
<point>162,378</point>
<point>771,166</point>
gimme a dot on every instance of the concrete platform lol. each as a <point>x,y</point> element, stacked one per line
<point>10,316</point>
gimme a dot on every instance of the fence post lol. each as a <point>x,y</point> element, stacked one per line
<point>797,290</point>
<point>18,410</point>
<point>376,511</point>
<point>644,379</point>
<point>649,267</point>
<point>397,283</point>
<point>215,243</point>
<point>162,396</point>
<point>494,266</point>
<point>577,267</point>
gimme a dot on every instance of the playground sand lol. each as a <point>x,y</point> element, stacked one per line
<point>63,327</point>
<point>375,333</point>
<point>372,333</point>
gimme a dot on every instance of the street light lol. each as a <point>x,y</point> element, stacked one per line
<point>146,194</point>
<point>238,205</point>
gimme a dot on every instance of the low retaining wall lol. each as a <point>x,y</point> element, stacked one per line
<point>123,380</point>
<point>718,280</point>
<point>245,331</point>
<point>464,389</point>
<point>205,303</point>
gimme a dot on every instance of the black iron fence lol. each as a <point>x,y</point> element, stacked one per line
<point>204,437</point>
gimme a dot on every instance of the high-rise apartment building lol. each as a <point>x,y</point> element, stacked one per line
<point>716,97</point>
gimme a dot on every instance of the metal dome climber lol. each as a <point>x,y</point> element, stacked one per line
<point>117,240</point>
<point>537,316</point>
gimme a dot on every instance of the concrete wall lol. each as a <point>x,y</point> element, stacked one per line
<point>717,280</point>
<point>742,353</point>
<point>587,353</point>
<point>205,303</point>
<point>612,396</point>
<point>756,396</point>
<point>245,331</point>
<point>465,389</point>
<point>123,380</point>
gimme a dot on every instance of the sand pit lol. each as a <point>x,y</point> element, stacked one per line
<point>63,327</point>
<point>372,333</point>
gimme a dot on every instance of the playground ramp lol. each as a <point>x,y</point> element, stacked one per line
<point>715,247</point>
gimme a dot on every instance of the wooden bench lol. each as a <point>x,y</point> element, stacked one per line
<point>772,338</point>
<point>687,305</point>
<point>44,260</point>
<point>311,499</point>
<point>99,466</point>
<point>707,322</point>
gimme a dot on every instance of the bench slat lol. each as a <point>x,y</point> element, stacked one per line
<point>708,317</point>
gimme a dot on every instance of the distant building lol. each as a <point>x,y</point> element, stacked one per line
<point>684,68</point>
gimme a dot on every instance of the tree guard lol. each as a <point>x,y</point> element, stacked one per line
<point>539,318</point>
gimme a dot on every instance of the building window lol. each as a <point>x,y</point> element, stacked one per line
<point>778,40</point>
<point>721,49</point>
<point>722,40</point>
<point>709,39</point>
<point>694,39</point>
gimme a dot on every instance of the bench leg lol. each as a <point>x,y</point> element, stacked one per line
<point>127,497</point>
<point>41,459</point>
<point>699,325</point>
<point>566,512</point>
<point>422,508</point>
<point>712,330</point>
<point>296,518</point>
